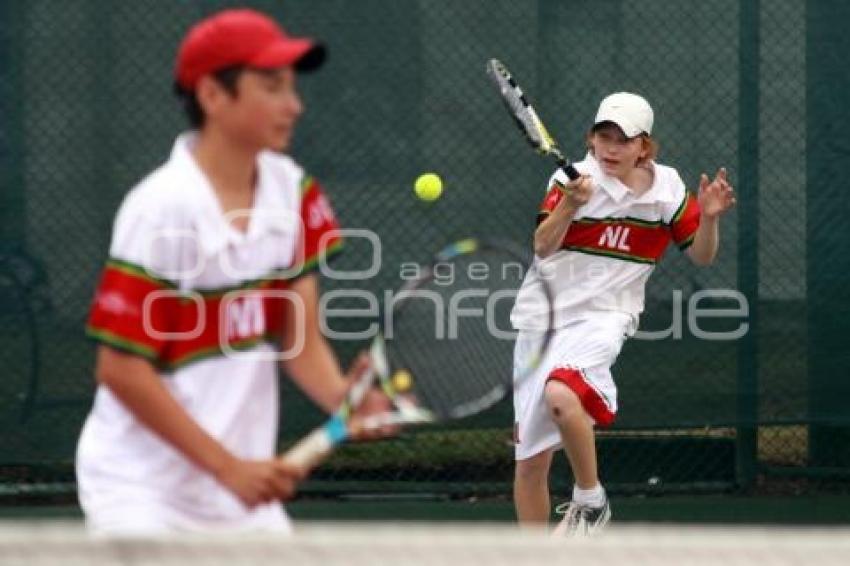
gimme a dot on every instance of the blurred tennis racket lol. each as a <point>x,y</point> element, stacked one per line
<point>526,117</point>
<point>445,350</point>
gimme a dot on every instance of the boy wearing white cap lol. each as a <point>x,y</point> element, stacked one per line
<point>209,283</point>
<point>597,241</point>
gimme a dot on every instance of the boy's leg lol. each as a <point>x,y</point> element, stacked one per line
<point>531,489</point>
<point>589,511</point>
<point>576,428</point>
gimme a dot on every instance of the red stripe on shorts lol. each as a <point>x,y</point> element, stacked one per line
<point>590,399</point>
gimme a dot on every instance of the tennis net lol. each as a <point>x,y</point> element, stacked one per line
<point>35,544</point>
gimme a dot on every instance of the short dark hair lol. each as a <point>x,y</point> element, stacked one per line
<point>227,78</point>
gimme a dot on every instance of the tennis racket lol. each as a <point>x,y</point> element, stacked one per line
<point>526,117</point>
<point>445,349</point>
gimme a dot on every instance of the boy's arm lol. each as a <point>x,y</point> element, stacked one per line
<point>706,242</point>
<point>136,383</point>
<point>550,233</point>
<point>314,368</point>
<point>715,198</point>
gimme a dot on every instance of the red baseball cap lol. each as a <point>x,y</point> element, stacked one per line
<point>242,37</point>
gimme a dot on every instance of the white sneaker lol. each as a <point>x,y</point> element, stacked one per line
<point>581,520</point>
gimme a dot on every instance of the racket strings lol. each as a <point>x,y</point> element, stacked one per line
<point>459,349</point>
<point>521,111</point>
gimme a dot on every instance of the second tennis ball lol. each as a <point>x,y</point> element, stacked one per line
<point>402,380</point>
<point>428,187</point>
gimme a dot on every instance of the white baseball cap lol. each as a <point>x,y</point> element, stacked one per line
<point>629,111</point>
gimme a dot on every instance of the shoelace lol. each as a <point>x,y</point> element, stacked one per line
<point>572,513</point>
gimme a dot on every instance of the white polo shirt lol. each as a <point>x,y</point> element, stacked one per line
<point>203,302</point>
<point>610,248</point>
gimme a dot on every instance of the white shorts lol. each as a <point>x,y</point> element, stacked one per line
<point>137,512</point>
<point>581,355</point>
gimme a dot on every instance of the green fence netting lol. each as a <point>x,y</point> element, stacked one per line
<point>87,110</point>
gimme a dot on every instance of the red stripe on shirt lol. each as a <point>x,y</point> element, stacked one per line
<point>645,241</point>
<point>622,238</point>
<point>553,197</point>
<point>321,237</point>
<point>686,221</point>
<point>118,313</point>
<point>138,313</point>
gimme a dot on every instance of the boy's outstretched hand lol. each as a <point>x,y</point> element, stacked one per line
<point>717,196</point>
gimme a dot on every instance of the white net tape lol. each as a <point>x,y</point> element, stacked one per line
<point>34,544</point>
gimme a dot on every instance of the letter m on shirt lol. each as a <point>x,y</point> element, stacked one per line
<point>245,317</point>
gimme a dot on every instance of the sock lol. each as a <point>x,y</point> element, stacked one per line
<point>593,497</point>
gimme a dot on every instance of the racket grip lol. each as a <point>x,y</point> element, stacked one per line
<point>571,171</point>
<point>312,450</point>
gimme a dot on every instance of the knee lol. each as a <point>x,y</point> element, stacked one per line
<point>534,469</point>
<point>563,403</point>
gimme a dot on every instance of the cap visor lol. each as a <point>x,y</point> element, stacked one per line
<point>301,54</point>
<point>625,126</point>
<point>312,59</point>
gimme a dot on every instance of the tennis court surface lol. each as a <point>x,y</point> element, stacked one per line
<point>43,543</point>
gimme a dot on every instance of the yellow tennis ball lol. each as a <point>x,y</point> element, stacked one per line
<point>402,380</point>
<point>428,187</point>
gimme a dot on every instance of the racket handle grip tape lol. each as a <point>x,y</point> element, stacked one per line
<point>570,171</point>
<point>311,450</point>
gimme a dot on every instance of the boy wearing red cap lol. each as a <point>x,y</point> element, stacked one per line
<point>208,284</point>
